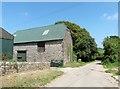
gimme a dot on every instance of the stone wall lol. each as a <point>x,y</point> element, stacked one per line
<point>14,67</point>
<point>31,51</point>
<point>67,46</point>
<point>53,51</point>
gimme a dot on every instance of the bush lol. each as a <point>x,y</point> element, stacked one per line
<point>93,57</point>
<point>111,47</point>
<point>108,64</point>
<point>100,57</point>
<point>100,54</point>
<point>105,61</point>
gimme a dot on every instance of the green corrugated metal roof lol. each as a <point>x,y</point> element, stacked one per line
<point>55,32</point>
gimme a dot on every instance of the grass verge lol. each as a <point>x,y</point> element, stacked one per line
<point>114,72</point>
<point>75,64</point>
<point>111,65</point>
<point>30,79</point>
<point>112,68</point>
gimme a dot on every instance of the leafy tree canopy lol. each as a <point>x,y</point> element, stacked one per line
<point>111,47</point>
<point>84,46</point>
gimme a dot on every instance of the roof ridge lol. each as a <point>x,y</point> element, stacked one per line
<point>1,28</point>
<point>40,27</point>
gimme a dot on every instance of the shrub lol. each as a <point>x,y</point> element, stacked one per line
<point>100,54</point>
<point>111,47</point>
<point>105,61</point>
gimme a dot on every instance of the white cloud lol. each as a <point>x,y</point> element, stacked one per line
<point>105,14</point>
<point>111,17</point>
<point>25,13</point>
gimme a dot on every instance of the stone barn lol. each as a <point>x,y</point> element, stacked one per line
<point>43,44</point>
<point>6,45</point>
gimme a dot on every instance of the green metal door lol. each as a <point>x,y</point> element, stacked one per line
<point>21,56</point>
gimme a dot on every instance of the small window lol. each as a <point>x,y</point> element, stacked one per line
<point>41,46</point>
<point>45,32</point>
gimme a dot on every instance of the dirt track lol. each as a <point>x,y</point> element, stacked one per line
<point>91,75</point>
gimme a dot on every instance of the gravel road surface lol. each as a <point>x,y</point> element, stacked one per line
<point>90,75</point>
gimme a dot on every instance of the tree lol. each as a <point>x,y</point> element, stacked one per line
<point>84,45</point>
<point>111,47</point>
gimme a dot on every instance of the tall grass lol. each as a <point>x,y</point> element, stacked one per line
<point>111,65</point>
<point>30,79</point>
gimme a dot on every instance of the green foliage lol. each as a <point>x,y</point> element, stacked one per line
<point>84,45</point>
<point>109,71</point>
<point>100,54</point>
<point>114,72</point>
<point>117,73</point>
<point>69,51</point>
<point>107,64</point>
<point>105,61</point>
<point>74,56</point>
<point>111,47</point>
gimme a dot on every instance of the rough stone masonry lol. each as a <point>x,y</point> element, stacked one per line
<point>15,67</point>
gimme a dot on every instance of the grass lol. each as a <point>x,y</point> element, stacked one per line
<point>75,64</point>
<point>111,65</point>
<point>30,79</point>
<point>114,72</point>
<point>112,68</point>
<point>8,60</point>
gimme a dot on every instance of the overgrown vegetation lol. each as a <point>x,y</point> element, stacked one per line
<point>100,54</point>
<point>112,51</point>
<point>114,72</point>
<point>111,59</point>
<point>37,78</point>
<point>84,46</point>
<point>111,65</point>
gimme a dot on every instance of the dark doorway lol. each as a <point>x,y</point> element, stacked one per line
<point>21,56</point>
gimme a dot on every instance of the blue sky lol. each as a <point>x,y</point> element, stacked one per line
<point>100,19</point>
